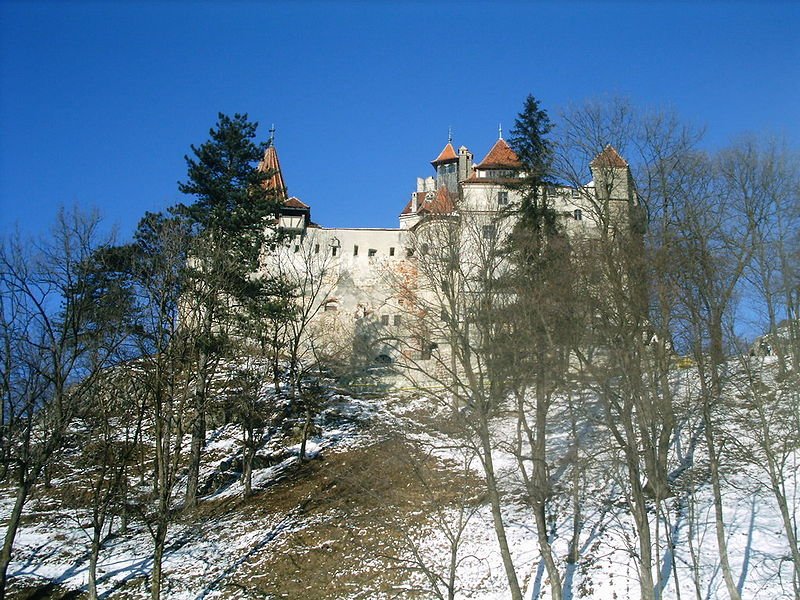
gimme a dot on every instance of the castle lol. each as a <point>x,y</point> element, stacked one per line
<point>364,289</point>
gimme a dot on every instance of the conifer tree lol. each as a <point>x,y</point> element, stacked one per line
<point>537,336</point>
<point>229,220</point>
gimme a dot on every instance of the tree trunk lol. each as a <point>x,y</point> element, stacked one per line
<point>247,462</point>
<point>158,555</point>
<point>93,556</point>
<point>306,430</point>
<point>541,485</point>
<point>719,522</point>
<point>195,454</point>
<point>497,515</point>
<point>640,517</point>
<point>11,534</point>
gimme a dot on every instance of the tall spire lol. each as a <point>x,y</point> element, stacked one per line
<point>271,166</point>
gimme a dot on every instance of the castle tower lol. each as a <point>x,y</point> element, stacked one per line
<point>446,165</point>
<point>612,176</point>
<point>271,165</point>
<point>293,214</point>
<point>500,163</point>
<point>615,189</point>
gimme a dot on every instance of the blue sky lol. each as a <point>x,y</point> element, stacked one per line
<point>99,102</point>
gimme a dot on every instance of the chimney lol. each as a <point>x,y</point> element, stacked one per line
<point>464,163</point>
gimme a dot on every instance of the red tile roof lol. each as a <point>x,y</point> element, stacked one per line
<point>609,157</point>
<point>420,200</point>
<point>271,164</point>
<point>501,156</point>
<point>294,202</point>
<point>442,203</point>
<point>446,155</point>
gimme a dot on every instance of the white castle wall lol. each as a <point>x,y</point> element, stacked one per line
<point>368,272</point>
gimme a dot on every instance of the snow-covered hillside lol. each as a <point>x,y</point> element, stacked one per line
<point>393,505</point>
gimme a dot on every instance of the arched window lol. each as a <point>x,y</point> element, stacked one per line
<point>578,214</point>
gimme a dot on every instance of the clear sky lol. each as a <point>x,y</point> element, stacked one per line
<point>100,101</point>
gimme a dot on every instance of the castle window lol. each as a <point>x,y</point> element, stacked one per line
<point>383,359</point>
<point>297,248</point>
<point>489,232</point>
<point>334,250</point>
<point>410,252</point>
<point>331,305</point>
<point>371,252</point>
<point>384,319</point>
<point>316,248</point>
<point>576,193</point>
<point>391,251</point>
<point>397,320</point>
<point>424,248</point>
<point>502,198</point>
<point>355,250</point>
<point>578,214</point>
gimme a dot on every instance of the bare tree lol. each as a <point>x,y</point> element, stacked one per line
<point>626,280</point>
<point>764,399</point>
<point>162,376</point>
<point>306,264</point>
<point>452,300</point>
<point>52,363</point>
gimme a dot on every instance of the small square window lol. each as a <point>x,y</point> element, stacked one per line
<point>576,193</point>
<point>410,252</point>
<point>397,319</point>
<point>489,232</point>
<point>371,252</point>
<point>502,198</point>
<point>384,319</point>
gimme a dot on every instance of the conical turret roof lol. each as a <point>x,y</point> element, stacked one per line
<point>271,164</point>
<point>501,156</point>
<point>609,157</point>
<point>446,155</point>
